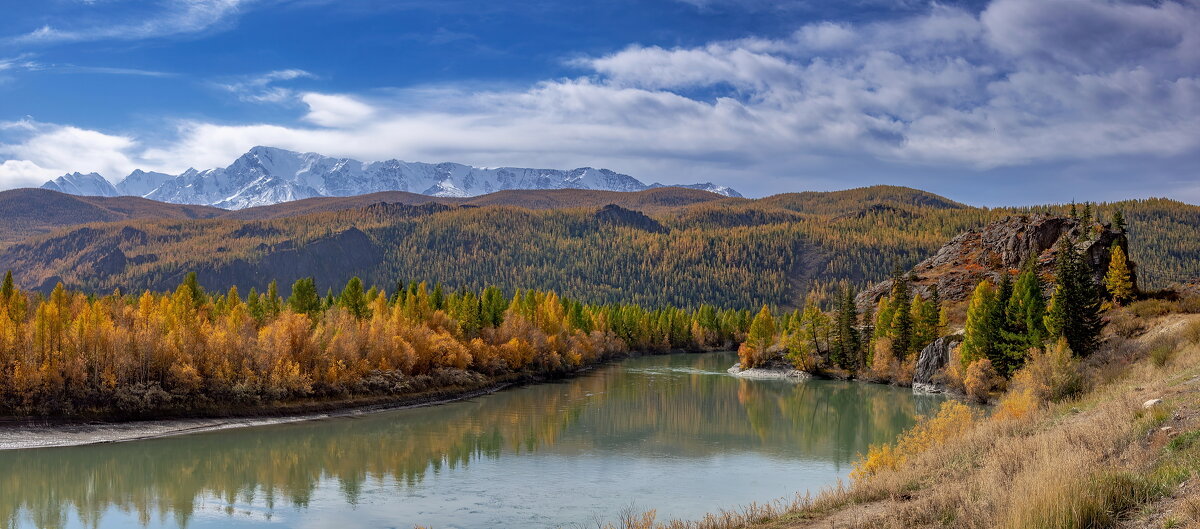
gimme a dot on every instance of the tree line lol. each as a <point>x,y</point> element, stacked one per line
<point>70,353</point>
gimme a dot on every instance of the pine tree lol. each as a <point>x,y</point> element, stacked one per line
<point>1118,221</point>
<point>353,299</point>
<point>868,336</point>
<point>1119,280</point>
<point>197,292</point>
<point>7,289</point>
<point>845,346</point>
<point>304,298</point>
<point>1024,326</point>
<point>1074,311</point>
<point>981,333</point>
<point>273,305</point>
<point>438,298</point>
<point>902,321</point>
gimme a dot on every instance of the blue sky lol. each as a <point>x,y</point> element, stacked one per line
<point>988,102</point>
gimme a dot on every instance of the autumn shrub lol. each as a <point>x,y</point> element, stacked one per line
<point>1049,375</point>
<point>1150,308</point>
<point>1125,323</point>
<point>884,365</point>
<point>981,379</point>
<point>1190,304</point>
<point>952,420</point>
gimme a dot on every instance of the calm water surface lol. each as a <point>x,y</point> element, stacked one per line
<point>673,433</point>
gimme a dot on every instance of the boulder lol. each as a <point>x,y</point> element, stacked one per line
<point>933,360</point>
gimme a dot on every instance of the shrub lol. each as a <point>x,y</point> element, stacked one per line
<point>981,380</point>
<point>1190,304</point>
<point>1049,375</point>
<point>952,420</point>
<point>1125,324</point>
<point>1016,404</point>
<point>1149,308</point>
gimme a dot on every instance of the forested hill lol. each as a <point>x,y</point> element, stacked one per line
<point>662,246</point>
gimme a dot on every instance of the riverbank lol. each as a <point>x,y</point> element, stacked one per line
<point>18,433</point>
<point>1124,453</point>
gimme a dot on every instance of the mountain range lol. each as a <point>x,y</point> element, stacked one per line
<point>659,246</point>
<point>268,175</point>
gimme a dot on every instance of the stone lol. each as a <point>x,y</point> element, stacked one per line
<point>769,373</point>
<point>1151,403</point>
<point>933,359</point>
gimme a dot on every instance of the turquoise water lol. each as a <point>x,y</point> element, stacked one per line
<point>674,433</point>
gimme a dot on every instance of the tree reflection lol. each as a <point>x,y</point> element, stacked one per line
<point>682,405</point>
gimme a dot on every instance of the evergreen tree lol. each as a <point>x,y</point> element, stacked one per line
<point>1086,220</point>
<point>493,307</point>
<point>438,298</point>
<point>1074,311</point>
<point>1119,279</point>
<point>981,333</point>
<point>7,289</point>
<point>193,285</point>
<point>1024,327</point>
<point>254,306</point>
<point>304,298</point>
<point>845,345</point>
<point>868,334</point>
<point>353,299</point>
<point>273,304</point>
<point>1118,221</point>
<point>902,321</point>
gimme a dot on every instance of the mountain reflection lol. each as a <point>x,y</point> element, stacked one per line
<point>681,406</point>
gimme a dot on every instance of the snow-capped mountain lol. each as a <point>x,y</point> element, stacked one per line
<point>140,183</point>
<point>267,175</point>
<point>91,184</point>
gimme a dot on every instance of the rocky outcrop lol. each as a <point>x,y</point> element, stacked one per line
<point>1002,247</point>
<point>769,373</point>
<point>932,361</point>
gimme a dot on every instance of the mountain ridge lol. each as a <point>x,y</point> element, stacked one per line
<point>269,175</point>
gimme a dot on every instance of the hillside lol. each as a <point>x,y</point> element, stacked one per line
<point>697,247</point>
<point>28,212</point>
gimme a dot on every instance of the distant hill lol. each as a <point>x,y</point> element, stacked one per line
<point>268,175</point>
<point>669,245</point>
<point>28,212</point>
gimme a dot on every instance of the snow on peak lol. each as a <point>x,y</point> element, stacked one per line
<point>91,184</point>
<point>269,175</point>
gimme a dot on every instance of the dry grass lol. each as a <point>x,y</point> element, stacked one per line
<point>1091,459</point>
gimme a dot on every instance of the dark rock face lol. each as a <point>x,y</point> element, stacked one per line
<point>1002,247</point>
<point>933,359</point>
<point>613,214</point>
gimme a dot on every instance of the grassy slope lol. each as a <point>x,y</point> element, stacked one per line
<point>1100,460</point>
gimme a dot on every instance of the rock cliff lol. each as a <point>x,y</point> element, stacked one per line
<point>1002,247</point>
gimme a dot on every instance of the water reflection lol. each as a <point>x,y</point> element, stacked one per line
<point>677,414</point>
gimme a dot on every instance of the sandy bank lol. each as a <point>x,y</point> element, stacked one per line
<point>18,435</point>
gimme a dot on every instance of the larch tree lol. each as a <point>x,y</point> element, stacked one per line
<point>1119,279</point>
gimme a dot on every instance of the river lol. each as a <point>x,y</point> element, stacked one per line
<point>674,433</point>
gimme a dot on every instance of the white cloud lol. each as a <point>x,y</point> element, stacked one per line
<point>173,17</point>
<point>261,89</point>
<point>330,110</point>
<point>42,151</point>
<point>948,92</point>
